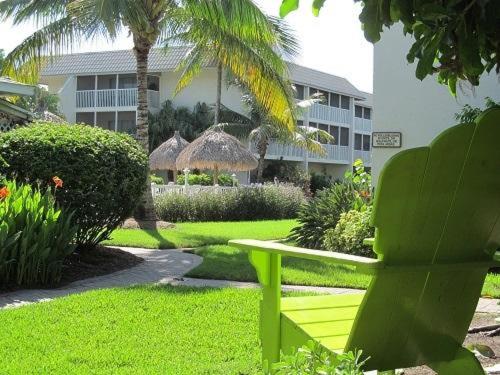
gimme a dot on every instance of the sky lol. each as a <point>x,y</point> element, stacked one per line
<point>333,42</point>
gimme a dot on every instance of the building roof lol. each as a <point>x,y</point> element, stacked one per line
<point>9,87</point>
<point>14,110</point>
<point>368,99</point>
<point>123,61</point>
<point>321,80</point>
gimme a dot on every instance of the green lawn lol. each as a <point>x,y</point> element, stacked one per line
<point>226,263</point>
<point>200,234</point>
<point>140,330</point>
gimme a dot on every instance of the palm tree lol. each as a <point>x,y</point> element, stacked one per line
<point>261,129</point>
<point>65,23</point>
<point>252,55</point>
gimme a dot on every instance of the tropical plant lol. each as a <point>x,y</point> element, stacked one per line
<point>351,229</point>
<point>42,101</point>
<point>2,57</point>
<point>468,113</point>
<point>457,39</point>
<point>261,128</point>
<point>156,179</point>
<point>250,45</point>
<point>189,123</point>
<point>104,172</point>
<point>246,45</point>
<point>35,236</point>
<point>323,211</point>
<point>314,359</point>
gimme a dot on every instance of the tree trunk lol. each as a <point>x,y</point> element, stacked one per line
<point>219,94</point>
<point>262,150</point>
<point>142,47</point>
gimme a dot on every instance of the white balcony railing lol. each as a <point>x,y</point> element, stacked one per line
<point>287,152</point>
<point>114,98</point>
<point>365,156</point>
<point>189,190</point>
<point>362,124</point>
<point>327,113</point>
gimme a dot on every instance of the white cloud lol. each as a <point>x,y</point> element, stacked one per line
<point>332,42</point>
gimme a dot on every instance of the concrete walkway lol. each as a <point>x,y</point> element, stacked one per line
<point>168,267</point>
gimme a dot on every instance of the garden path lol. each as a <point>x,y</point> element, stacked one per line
<point>168,266</point>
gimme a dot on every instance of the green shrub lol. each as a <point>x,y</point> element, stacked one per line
<point>35,237</point>
<point>313,359</point>
<point>352,228</point>
<point>204,179</point>
<point>156,179</point>
<point>243,203</point>
<point>319,182</point>
<point>323,211</point>
<point>104,172</point>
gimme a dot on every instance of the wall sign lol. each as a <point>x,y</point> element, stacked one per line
<point>386,139</point>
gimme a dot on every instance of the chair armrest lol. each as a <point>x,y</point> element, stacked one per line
<point>365,265</point>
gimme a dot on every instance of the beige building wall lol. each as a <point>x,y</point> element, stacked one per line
<point>420,110</point>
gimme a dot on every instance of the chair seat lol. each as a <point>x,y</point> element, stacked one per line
<point>327,319</point>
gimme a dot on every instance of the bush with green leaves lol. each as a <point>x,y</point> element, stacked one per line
<point>204,179</point>
<point>243,203</point>
<point>348,235</point>
<point>104,173</point>
<point>156,179</point>
<point>35,236</point>
<point>313,359</point>
<point>323,211</point>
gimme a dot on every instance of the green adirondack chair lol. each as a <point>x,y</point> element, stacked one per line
<point>436,214</point>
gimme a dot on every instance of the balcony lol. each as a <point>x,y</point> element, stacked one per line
<point>365,156</point>
<point>334,154</point>
<point>362,124</point>
<point>113,98</point>
<point>328,113</point>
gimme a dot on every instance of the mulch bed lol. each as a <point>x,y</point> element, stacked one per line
<point>97,262</point>
<point>132,223</point>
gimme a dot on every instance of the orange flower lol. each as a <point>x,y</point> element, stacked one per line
<point>57,181</point>
<point>4,192</point>
<point>364,194</point>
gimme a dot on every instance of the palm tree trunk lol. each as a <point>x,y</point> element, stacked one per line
<point>142,47</point>
<point>262,150</point>
<point>219,94</point>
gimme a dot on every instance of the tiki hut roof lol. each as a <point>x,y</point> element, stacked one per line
<point>165,155</point>
<point>215,149</point>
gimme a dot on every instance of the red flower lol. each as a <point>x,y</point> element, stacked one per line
<point>57,181</point>
<point>4,192</point>
<point>364,194</point>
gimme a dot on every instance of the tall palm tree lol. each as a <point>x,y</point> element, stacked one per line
<point>66,23</point>
<point>253,55</point>
<point>261,129</point>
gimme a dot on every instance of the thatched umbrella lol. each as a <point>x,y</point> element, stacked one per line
<point>165,155</point>
<point>216,150</point>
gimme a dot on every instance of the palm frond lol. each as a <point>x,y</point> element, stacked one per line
<point>191,66</point>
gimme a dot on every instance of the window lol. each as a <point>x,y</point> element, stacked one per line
<point>106,82</point>
<point>366,142</point>
<point>323,127</point>
<point>324,97</point>
<point>85,118</point>
<point>334,132</point>
<point>300,123</point>
<point>358,111</point>
<point>344,102</point>
<point>313,125</point>
<point>127,81</point>
<point>126,122</point>
<point>358,140</point>
<point>153,83</point>
<point>367,113</point>
<point>344,136</point>
<point>85,83</point>
<point>299,92</point>
<point>105,120</point>
<point>334,100</point>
